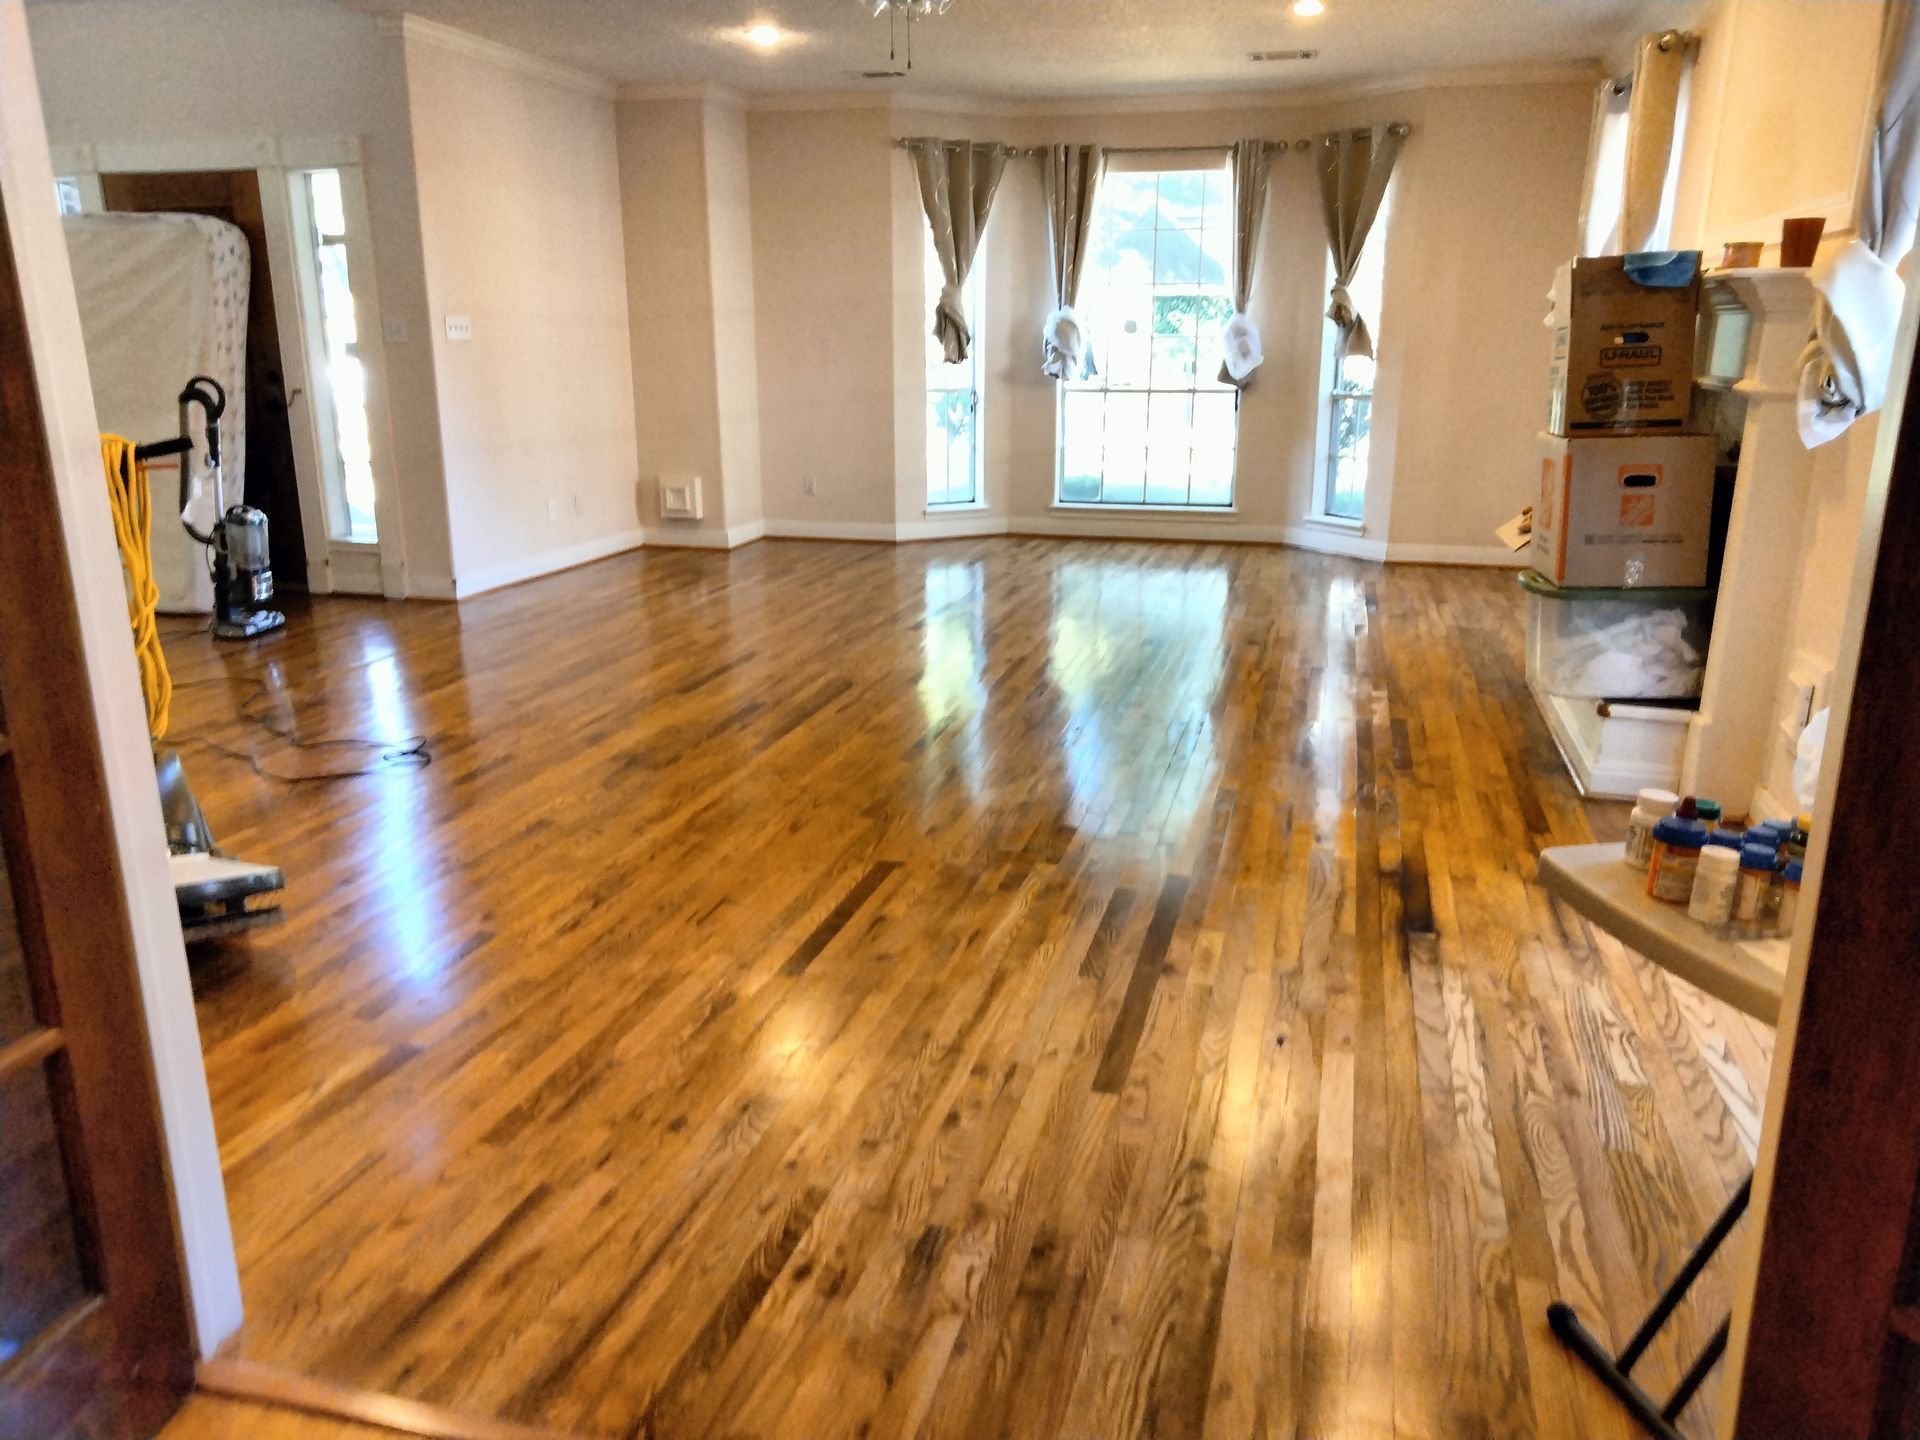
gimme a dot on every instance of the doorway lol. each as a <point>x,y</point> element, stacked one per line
<point>271,485</point>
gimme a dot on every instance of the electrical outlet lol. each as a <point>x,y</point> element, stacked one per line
<point>553,509</point>
<point>459,328</point>
<point>807,487</point>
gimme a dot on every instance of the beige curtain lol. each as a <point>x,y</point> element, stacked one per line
<point>1653,110</point>
<point>957,184</point>
<point>1355,166</point>
<point>1241,340</point>
<point>1858,292</point>
<point>1073,184</point>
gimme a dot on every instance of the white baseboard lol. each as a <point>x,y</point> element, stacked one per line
<point>430,587</point>
<point>1329,541</point>
<point>830,530</point>
<point>546,563</point>
<point>1617,755</point>
<point>697,537</point>
<point>1494,556</point>
<point>960,526</point>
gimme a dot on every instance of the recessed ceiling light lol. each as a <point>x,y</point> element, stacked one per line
<point>1306,9</point>
<point>767,36</point>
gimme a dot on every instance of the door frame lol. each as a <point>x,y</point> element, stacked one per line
<point>137,953</point>
<point>347,566</point>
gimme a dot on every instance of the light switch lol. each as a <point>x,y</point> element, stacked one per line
<point>394,329</point>
<point>459,328</point>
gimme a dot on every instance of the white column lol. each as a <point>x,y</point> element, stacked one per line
<point>1726,750</point>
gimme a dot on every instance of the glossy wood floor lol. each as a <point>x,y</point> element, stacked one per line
<point>988,989</point>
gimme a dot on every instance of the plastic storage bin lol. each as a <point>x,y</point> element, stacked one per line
<point>1616,644</point>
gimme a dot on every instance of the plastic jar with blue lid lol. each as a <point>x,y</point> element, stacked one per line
<point>1676,855</point>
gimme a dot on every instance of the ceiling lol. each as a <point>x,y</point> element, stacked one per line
<point>1039,49</point>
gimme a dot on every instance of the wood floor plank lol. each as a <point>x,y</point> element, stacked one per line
<point>1003,987</point>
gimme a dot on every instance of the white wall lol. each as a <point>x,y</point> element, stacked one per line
<point>1778,115</point>
<point>66,398</point>
<point>520,221</point>
<point>122,73</point>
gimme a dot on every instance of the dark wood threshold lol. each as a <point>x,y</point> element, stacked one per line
<point>31,1050</point>
<point>270,1386</point>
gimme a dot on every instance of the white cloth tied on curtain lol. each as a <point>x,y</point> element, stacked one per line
<point>958,180</point>
<point>1355,166</point>
<point>1240,337</point>
<point>1844,368</point>
<point>1072,184</point>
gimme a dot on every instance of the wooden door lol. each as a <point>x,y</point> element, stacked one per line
<point>234,196</point>
<point>95,1334</point>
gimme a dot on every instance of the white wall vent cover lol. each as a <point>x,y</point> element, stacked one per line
<point>680,497</point>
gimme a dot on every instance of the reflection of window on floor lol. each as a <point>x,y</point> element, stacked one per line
<point>1156,426</point>
<point>1350,393</point>
<point>341,378</point>
<point>954,451</point>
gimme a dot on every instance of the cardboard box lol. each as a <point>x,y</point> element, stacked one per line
<point>1624,510</point>
<point>1622,351</point>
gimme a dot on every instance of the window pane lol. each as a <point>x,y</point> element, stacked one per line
<point>960,442</point>
<point>1083,419</point>
<point>1169,447</point>
<point>1125,480</point>
<point>1215,426</point>
<point>1176,258</point>
<point>350,452</point>
<point>1153,301</point>
<point>40,1276</point>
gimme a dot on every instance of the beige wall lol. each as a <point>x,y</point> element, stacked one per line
<point>735,342</point>
<point>823,289</point>
<point>121,72</point>
<point>520,214</point>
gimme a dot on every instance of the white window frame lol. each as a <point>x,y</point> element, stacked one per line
<point>1155,163</point>
<point>973,300</point>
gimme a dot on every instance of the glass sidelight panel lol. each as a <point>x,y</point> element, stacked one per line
<point>340,375</point>
<point>40,1274</point>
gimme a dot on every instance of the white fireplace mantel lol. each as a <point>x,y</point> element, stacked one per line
<point>1726,750</point>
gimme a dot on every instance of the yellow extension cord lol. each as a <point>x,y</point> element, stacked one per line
<point>132,499</point>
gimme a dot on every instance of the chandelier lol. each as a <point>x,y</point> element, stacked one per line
<point>899,11</point>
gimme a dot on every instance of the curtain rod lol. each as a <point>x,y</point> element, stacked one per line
<point>1274,147</point>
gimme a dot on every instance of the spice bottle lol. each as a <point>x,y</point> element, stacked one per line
<point>1676,855</point>
<point>1757,864</point>
<point>1797,837</point>
<point>1649,810</point>
<point>1708,813</point>
<point>1789,898</point>
<point>1714,880</point>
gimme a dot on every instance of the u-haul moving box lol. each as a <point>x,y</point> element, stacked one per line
<point>1624,510</point>
<point>1622,351</point>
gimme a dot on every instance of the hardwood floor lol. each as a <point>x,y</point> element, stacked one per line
<point>996,989</point>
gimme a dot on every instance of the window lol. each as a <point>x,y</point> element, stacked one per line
<point>954,452</point>
<point>66,195</point>
<point>1350,395</point>
<point>1156,425</point>
<point>339,375</point>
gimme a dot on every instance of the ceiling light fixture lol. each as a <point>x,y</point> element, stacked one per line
<point>766,36</point>
<point>897,11</point>
<point>1307,9</point>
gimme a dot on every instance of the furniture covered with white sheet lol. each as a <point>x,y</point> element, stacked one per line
<point>164,298</point>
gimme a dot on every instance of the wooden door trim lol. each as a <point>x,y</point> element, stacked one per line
<point>268,1385</point>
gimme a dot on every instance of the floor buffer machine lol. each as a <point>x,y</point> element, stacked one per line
<point>217,894</point>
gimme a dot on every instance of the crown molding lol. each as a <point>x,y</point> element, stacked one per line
<point>699,92</point>
<point>462,42</point>
<point>1178,101</point>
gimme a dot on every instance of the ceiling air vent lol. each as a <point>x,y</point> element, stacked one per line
<point>1263,56</point>
<point>883,74</point>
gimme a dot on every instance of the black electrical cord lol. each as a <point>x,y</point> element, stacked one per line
<point>413,753</point>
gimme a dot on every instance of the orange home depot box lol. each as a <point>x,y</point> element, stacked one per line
<point>1624,510</point>
<point>1622,351</point>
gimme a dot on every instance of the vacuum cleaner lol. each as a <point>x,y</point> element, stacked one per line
<point>216,894</point>
<point>237,538</point>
